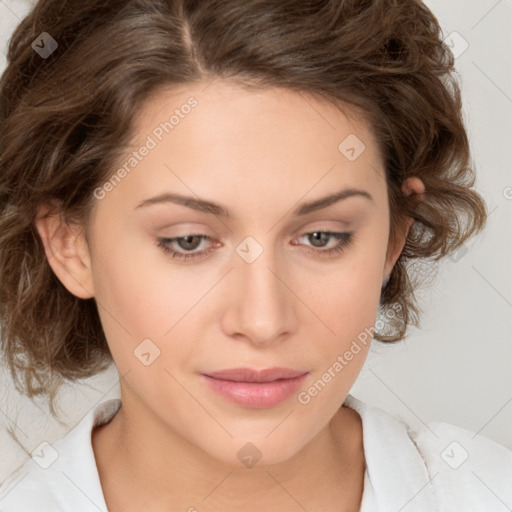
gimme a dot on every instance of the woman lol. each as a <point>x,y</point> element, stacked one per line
<point>219,198</point>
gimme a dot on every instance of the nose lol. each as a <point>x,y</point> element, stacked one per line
<point>261,303</point>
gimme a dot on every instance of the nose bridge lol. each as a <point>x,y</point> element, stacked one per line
<point>261,306</point>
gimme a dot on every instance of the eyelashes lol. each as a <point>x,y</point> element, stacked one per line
<point>166,245</point>
<point>343,240</point>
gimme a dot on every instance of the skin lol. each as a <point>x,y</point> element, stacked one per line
<point>173,445</point>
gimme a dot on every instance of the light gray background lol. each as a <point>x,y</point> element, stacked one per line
<point>457,367</point>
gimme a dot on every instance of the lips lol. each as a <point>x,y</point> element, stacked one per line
<point>257,389</point>
<point>250,375</point>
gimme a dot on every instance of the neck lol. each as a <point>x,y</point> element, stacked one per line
<point>143,464</point>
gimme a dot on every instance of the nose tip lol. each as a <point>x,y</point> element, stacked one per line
<point>260,305</point>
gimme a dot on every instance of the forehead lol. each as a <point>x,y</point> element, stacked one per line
<point>224,111</point>
<point>221,139</point>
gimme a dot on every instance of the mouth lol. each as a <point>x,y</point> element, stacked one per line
<point>250,375</point>
<point>255,388</point>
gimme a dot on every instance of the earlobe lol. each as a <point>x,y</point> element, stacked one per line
<point>67,252</point>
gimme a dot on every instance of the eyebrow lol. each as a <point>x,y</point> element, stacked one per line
<point>215,209</point>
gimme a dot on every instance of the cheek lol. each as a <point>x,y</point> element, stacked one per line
<point>346,298</point>
<point>349,307</point>
<point>350,290</point>
<point>141,298</point>
<point>142,289</point>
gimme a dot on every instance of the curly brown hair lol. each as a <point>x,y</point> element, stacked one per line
<point>66,119</point>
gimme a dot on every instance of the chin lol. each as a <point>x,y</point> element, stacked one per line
<point>247,454</point>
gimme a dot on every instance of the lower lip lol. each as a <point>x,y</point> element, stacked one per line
<point>257,395</point>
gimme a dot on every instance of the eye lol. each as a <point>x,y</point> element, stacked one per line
<point>321,239</point>
<point>188,243</point>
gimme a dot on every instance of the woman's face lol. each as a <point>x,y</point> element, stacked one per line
<point>259,289</point>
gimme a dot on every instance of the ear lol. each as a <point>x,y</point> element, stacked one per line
<point>411,186</point>
<point>66,250</point>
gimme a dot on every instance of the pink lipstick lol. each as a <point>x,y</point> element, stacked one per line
<point>257,389</point>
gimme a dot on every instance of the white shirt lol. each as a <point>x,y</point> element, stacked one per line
<point>441,467</point>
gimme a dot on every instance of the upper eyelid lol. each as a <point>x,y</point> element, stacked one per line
<point>301,233</point>
<point>317,226</point>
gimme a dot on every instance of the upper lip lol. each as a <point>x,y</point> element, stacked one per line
<point>250,375</point>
